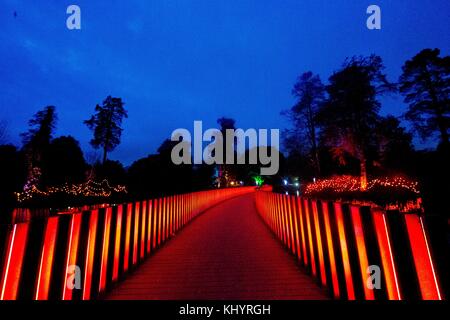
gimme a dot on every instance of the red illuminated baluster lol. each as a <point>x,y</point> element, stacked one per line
<point>71,254</point>
<point>13,262</point>
<point>115,274</point>
<point>46,260</point>
<point>331,254</point>
<point>344,250</point>
<point>387,259</point>
<point>310,237</point>
<point>105,249</point>
<point>90,253</point>
<point>143,229</point>
<point>423,261</point>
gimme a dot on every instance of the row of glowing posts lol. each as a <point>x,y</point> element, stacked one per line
<point>305,227</point>
<point>154,222</point>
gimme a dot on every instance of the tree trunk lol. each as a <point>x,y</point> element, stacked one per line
<point>317,161</point>
<point>443,129</point>
<point>105,152</point>
<point>363,177</point>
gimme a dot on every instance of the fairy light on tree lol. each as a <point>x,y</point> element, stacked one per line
<point>87,189</point>
<point>341,184</point>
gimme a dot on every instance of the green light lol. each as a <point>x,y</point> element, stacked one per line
<point>258,180</point>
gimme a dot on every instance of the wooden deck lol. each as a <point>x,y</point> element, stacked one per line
<point>226,253</point>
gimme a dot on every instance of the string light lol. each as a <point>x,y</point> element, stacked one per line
<point>88,189</point>
<point>341,184</point>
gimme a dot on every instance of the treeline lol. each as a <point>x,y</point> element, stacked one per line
<point>53,172</point>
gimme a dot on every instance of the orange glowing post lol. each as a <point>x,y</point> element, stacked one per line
<point>72,251</point>
<point>426,273</point>
<point>90,252</point>
<point>331,254</point>
<point>302,230</point>
<point>12,269</point>
<point>323,276</point>
<point>387,258</point>
<point>344,251</point>
<point>297,238</point>
<point>137,213</point>
<point>155,221</point>
<point>361,247</point>
<point>46,260</point>
<point>126,250</point>
<point>115,274</point>
<point>310,238</point>
<point>149,227</point>
<point>105,249</point>
<point>143,228</point>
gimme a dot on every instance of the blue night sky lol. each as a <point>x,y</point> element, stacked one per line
<point>174,62</point>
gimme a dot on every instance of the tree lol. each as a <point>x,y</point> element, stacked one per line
<point>394,144</point>
<point>13,176</point>
<point>425,83</point>
<point>350,115</point>
<point>225,174</point>
<point>38,137</point>
<point>63,162</point>
<point>106,125</point>
<point>157,175</point>
<point>113,171</point>
<point>310,94</point>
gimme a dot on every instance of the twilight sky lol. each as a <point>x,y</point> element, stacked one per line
<point>174,62</point>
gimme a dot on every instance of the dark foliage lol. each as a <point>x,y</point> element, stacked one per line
<point>106,124</point>
<point>63,162</point>
<point>425,83</point>
<point>302,137</point>
<point>156,175</point>
<point>110,170</point>
<point>13,176</point>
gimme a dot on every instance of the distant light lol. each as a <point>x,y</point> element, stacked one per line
<point>314,180</point>
<point>258,180</point>
<point>297,184</point>
<point>285,182</point>
<point>287,193</point>
<point>298,193</point>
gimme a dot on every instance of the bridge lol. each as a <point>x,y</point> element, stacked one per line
<point>237,243</point>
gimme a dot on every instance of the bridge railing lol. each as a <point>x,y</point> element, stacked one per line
<point>356,252</point>
<point>82,255</point>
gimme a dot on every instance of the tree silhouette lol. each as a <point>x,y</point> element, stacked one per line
<point>309,92</point>
<point>110,170</point>
<point>394,144</point>
<point>350,114</point>
<point>106,125</point>
<point>13,176</point>
<point>38,137</point>
<point>157,175</point>
<point>425,83</point>
<point>63,162</point>
<point>225,171</point>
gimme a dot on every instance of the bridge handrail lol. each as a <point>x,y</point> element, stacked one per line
<point>84,254</point>
<point>345,246</point>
